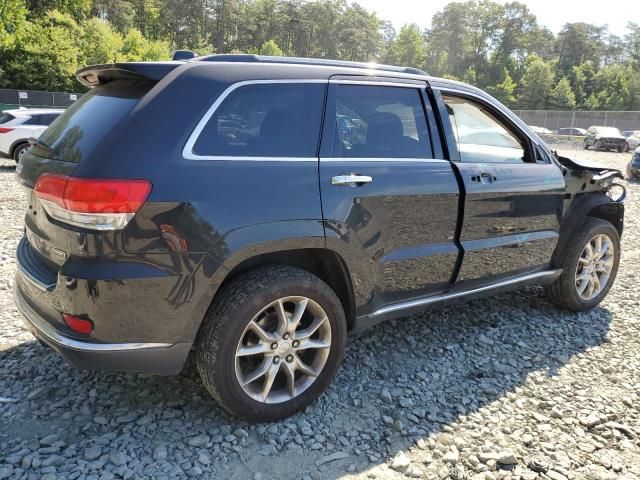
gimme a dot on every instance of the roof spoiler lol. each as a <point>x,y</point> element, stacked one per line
<point>101,74</point>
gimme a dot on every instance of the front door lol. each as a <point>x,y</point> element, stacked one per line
<point>389,204</point>
<point>513,193</point>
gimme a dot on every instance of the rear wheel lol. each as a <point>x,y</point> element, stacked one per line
<point>19,151</point>
<point>585,144</point>
<point>623,148</point>
<point>589,268</point>
<point>271,343</point>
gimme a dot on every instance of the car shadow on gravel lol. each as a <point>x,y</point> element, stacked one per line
<point>8,168</point>
<point>402,381</point>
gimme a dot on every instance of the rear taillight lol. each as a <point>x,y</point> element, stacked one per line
<point>95,204</point>
<point>6,129</point>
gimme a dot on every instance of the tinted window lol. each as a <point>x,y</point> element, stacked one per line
<point>42,119</point>
<point>380,122</point>
<point>481,136</point>
<point>82,125</point>
<point>32,120</point>
<point>265,120</point>
<point>6,117</point>
<point>47,118</point>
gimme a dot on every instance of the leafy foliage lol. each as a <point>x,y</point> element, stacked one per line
<point>498,46</point>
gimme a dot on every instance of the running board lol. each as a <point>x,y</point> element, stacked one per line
<point>397,309</point>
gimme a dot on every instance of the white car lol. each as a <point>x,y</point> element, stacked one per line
<point>17,126</point>
<point>633,141</point>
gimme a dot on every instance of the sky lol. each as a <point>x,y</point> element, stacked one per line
<point>553,14</point>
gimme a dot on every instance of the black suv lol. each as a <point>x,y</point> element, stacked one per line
<point>256,210</point>
<point>605,138</point>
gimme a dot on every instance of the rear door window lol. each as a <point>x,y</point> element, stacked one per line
<point>86,121</point>
<point>380,122</point>
<point>265,120</point>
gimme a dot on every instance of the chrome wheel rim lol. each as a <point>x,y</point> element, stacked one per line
<point>283,349</point>
<point>594,266</point>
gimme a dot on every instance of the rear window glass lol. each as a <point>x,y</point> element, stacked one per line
<point>6,117</point>
<point>265,120</point>
<point>73,134</point>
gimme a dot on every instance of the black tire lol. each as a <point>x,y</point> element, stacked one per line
<point>562,292</point>
<point>585,144</point>
<point>597,146</point>
<point>230,313</point>
<point>19,150</point>
<point>622,149</point>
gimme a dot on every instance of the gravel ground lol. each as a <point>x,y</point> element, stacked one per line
<point>506,387</point>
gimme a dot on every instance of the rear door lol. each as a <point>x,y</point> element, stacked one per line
<point>390,200</point>
<point>513,192</point>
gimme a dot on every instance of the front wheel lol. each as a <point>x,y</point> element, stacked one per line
<point>585,144</point>
<point>589,267</point>
<point>271,343</point>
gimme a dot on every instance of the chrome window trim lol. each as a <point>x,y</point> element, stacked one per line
<point>187,151</point>
<point>383,83</point>
<point>382,159</point>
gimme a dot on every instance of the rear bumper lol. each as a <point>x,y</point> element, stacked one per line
<point>163,359</point>
<point>41,297</point>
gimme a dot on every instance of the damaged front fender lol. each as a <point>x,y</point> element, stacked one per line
<point>584,177</point>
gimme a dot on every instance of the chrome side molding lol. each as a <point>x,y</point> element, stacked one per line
<point>426,301</point>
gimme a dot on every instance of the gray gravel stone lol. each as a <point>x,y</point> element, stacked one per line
<point>442,394</point>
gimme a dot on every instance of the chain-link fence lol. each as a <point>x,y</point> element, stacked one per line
<point>555,119</point>
<point>33,98</point>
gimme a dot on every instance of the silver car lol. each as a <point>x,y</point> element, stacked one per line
<point>633,141</point>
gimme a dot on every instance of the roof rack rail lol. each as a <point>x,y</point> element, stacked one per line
<point>230,57</point>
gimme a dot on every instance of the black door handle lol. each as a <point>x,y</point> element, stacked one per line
<point>483,178</point>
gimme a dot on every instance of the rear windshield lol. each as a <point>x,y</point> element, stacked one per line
<point>72,136</point>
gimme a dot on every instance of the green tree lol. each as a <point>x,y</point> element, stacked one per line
<point>408,49</point>
<point>100,42</point>
<point>632,44</point>
<point>504,91</point>
<point>536,84</point>
<point>562,97</point>
<point>271,48</point>
<point>579,42</point>
<point>46,54</point>
<point>13,14</point>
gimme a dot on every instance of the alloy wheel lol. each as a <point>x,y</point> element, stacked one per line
<point>594,266</point>
<point>283,350</point>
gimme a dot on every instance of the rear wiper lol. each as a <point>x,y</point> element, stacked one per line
<point>39,143</point>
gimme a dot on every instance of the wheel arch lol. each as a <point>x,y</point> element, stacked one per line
<point>16,144</point>
<point>326,264</point>
<point>596,205</point>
